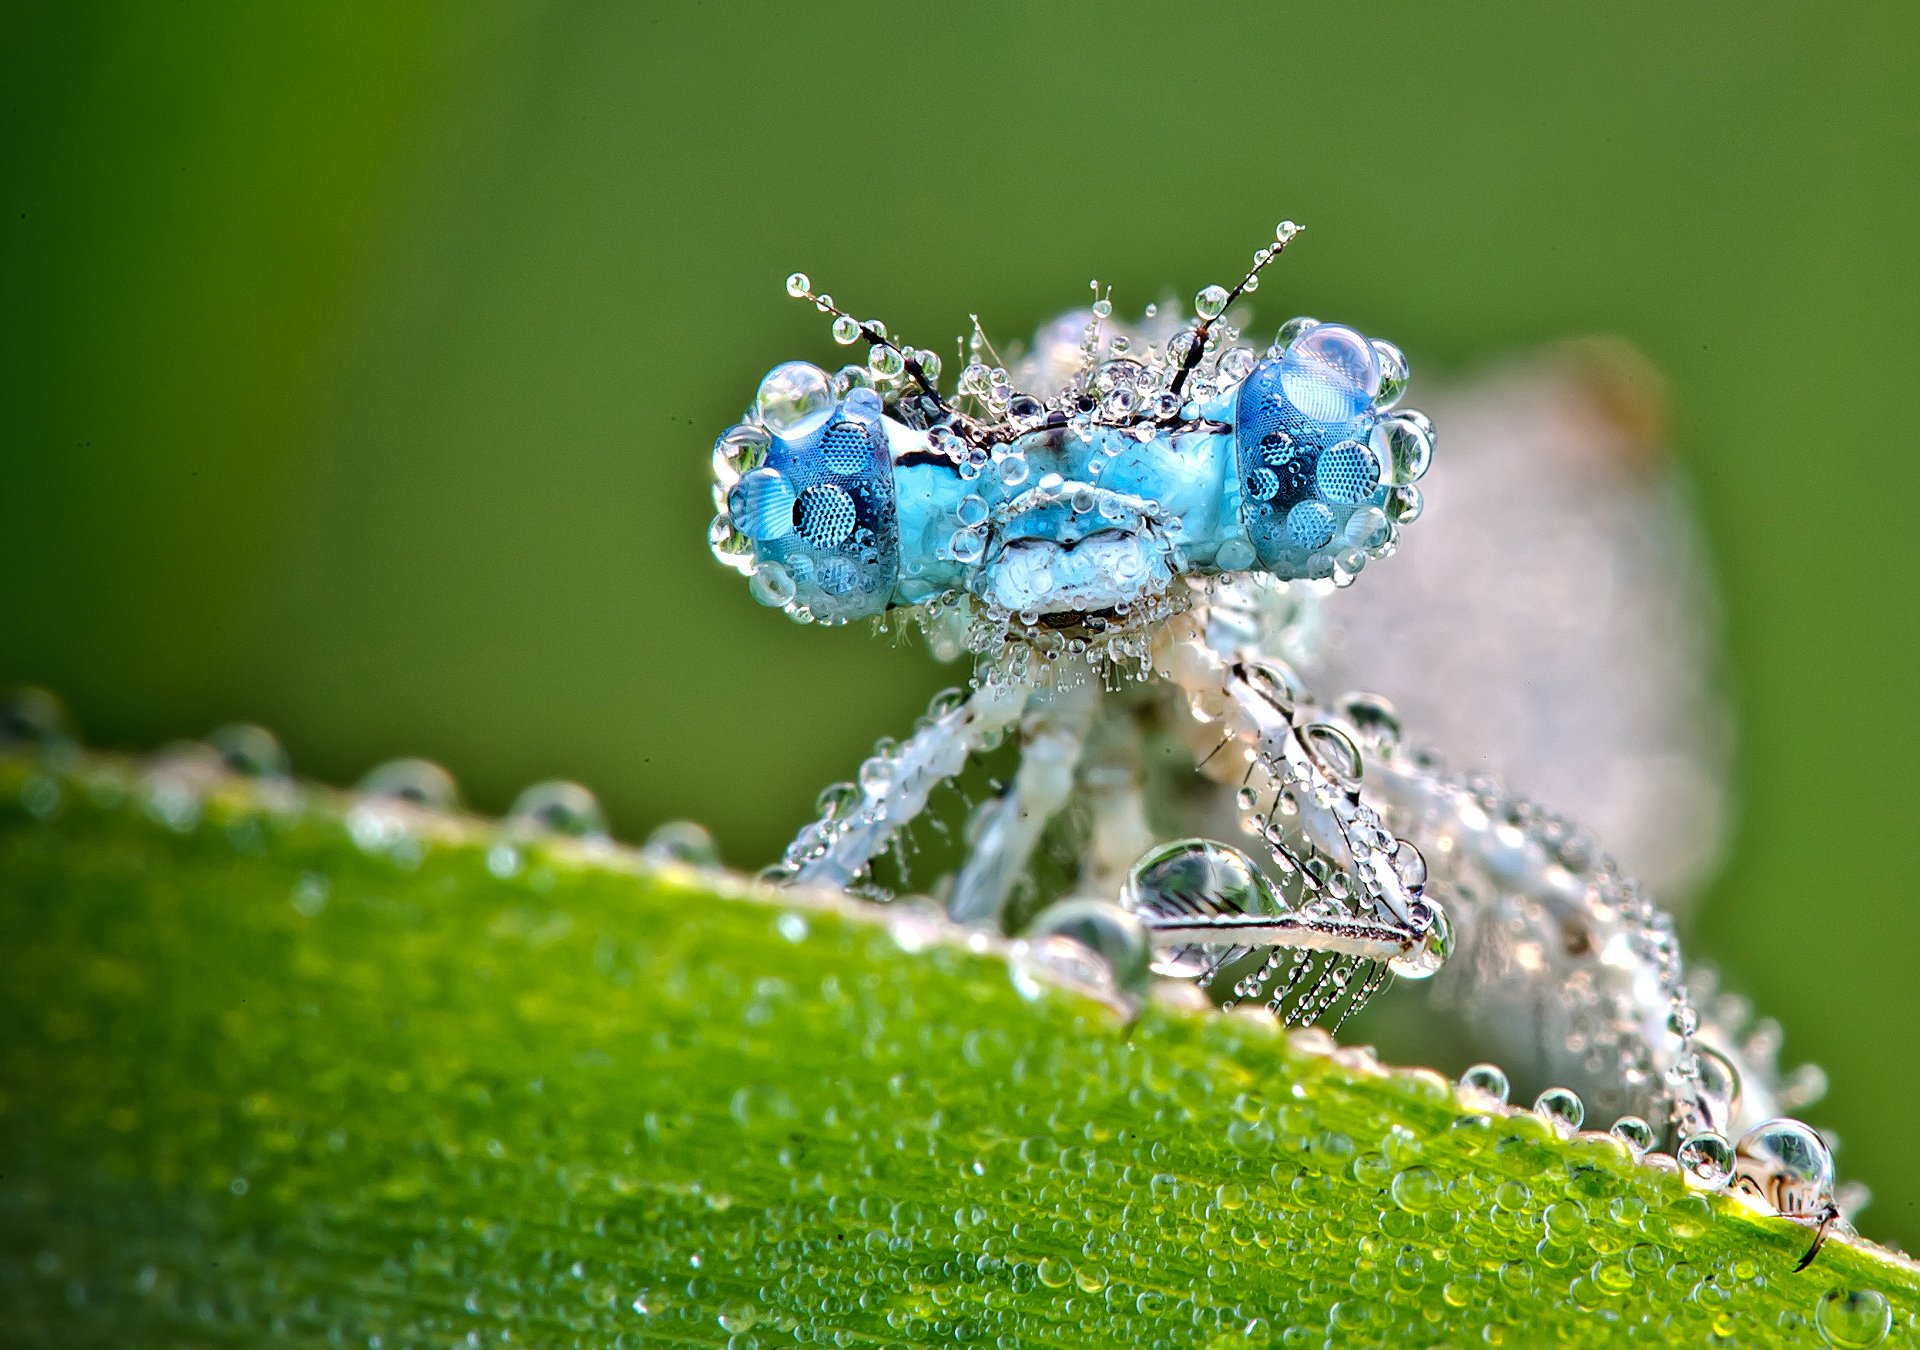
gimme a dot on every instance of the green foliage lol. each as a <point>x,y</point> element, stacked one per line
<point>262,1083</point>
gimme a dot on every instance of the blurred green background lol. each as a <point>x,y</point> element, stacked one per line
<point>361,363</point>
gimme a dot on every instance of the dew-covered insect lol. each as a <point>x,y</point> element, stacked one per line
<point>1130,528</point>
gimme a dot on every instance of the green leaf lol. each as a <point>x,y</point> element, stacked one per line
<point>262,1083</point>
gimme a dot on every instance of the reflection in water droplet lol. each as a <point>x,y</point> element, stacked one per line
<point>1196,876</point>
<point>1489,1080</point>
<point>1707,1159</point>
<point>683,842</point>
<point>1562,1108</point>
<point>558,807</point>
<point>418,782</point>
<point>252,751</point>
<point>1853,1318</point>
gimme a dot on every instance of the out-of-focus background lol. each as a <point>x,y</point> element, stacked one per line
<point>359,365</point>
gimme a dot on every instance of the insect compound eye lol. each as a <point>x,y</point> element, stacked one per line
<point>805,487</point>
<point>1322,464</point>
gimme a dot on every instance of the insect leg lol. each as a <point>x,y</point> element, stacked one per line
<point>894,787</point>
<point>1006,829</point>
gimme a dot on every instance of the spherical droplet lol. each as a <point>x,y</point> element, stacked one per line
<point>419,782</point>
<point>1417,1189</point>
<point>1707,1159</point>
<point>846,330</point>
<point>1635,1133</point>
<point>1434,949</point>
<point>791,394</point>
<point>1561,1108</point>
<point>251,751</point>
<point>1192,876</point>
<point>1791,1164</point>
<point>1211,302</point>
<point>1330,373</point>
<point>1111,935</point>
<point>798,285</point>
<point>1403,447</point>
<point>1393,373</point>
<point>772,585</point>
<point>1488,1080</point>
<point>681,841</point>
<point>1853,1319</point>
<point>558,807</point>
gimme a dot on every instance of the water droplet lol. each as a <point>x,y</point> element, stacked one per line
<point>32,719</point>
<point>1707,1159</point>
<point>1333,751</point>
<point>846,330</point>
<point>1635,1133</point>
<point>251,751</point>
<point>1210,302</point>
<point>799,284</point>
<point>1417,1189</point>
<point>1069,931</point>
<point>1561,1108</point>
<point>1054,1271</point>
<point>1853,1319</point>
<point>771,584</point>
<point>1393,373</point>
<point>683,842</point>
<point>1488,1080</point>
<point>419,782</point>
<point>1790,1163</point>
<point>1433,951</point>
<point>1192,876</point>
<point>1330,373</point>
<point>558,807</point>
<point>1403,448</point>
<point>791,394</point>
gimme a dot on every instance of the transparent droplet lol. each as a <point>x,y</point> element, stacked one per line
<point>1404,449</point>
<point>772,585</point>
<point>791,394</point>
<point>419,782</point>
<point>1289,333</point>
<point>1790,1163</point>
<point>1334,752</point>
<point>1635,1133</point>
<point>1853,1319</point>
<point>846,330</point>
<point>1211,302</point>
<point>798,285</point>
<point>32,719</point>
<point>558,807</point>
<point>886,361</point>
<point>1393,373</point>
<point>681,841</point>
<point>1417,1189</point>
<point>1092,942</point>
<point>1707,1159</point>
<point>1330,373</point>
<point>251,751</point>
<point>1488,1080</point>
<point>1561,1108</point>
<point>1426,960</point>
<point>1192,876</point>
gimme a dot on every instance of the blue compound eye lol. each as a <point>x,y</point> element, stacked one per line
<point>1304,437</point>
<point>814,510</point>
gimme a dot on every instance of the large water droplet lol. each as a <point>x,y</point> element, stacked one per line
<point>418,782</point>
<point>1330,373</point>
<point>1561,1108</point>
<point>1853,1319</point>
<point>32,719</point>
<point>791,395</point>
<point>1196,877</point>
<point>1488,1080</point>
<point>1432,953</point>
<point>1790,1163</point>
<point>681,841</point>
<point>1707,1159</point>
<point>558,807</point>
<point>1071,930</point>
<point>251,751</point>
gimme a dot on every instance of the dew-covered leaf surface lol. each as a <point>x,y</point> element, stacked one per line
<point>262,1085</point>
